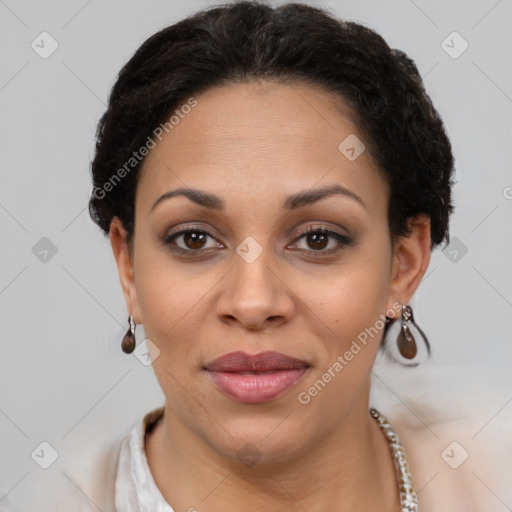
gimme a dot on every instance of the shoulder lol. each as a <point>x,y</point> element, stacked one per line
<point>457,443</point>
<point>82,479</point>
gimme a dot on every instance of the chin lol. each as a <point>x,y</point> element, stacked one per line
<point>262,442</point>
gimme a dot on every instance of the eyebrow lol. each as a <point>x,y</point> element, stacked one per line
<point>292,202</point>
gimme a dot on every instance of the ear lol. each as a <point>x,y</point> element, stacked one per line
<point>411,257</point>
<point>123,257</point>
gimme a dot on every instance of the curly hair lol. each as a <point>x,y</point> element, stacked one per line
<point>246,40</point>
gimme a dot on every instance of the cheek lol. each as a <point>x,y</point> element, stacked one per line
<point>167,296</point>
<point>348,300</point>
<point>350,310</point>
<point>173,310</point>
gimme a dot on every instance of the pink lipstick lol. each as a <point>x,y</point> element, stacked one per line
<point>255,378</point>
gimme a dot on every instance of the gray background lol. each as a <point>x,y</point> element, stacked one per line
<point>63,377</point>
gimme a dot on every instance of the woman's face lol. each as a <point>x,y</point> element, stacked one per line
<point>236,273</point>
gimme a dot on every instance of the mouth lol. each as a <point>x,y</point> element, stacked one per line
<point>255,378</point>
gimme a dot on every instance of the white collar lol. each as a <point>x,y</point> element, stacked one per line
<point>135,488</point>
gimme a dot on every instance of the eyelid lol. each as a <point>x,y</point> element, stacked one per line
<point>189,228</point>
<point>320,227</point>
<point>343,240</point>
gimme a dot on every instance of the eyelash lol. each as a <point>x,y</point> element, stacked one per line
<point>343,240</point>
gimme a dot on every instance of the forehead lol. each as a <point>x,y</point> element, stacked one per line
<point>260,137</point>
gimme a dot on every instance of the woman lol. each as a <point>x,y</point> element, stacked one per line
<point>272,181</point>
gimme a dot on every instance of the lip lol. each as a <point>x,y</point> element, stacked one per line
<point>255,378</point>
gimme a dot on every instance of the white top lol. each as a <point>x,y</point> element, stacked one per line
<point>135,488</point>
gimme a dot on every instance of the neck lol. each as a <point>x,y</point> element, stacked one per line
<point>349,470</point>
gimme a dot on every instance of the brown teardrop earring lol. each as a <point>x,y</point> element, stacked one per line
<point>405,340</point>
<point>406,335</point>
<point>128,343</point>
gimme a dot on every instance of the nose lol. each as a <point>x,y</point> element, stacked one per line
<point>255,295</point>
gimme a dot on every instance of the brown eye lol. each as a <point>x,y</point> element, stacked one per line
<point>190,240</point>
<point>194,240</point>
<point>318,240</point>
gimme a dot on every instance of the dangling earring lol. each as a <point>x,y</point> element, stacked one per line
<point>406,340</point>
<point>128,343</point>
